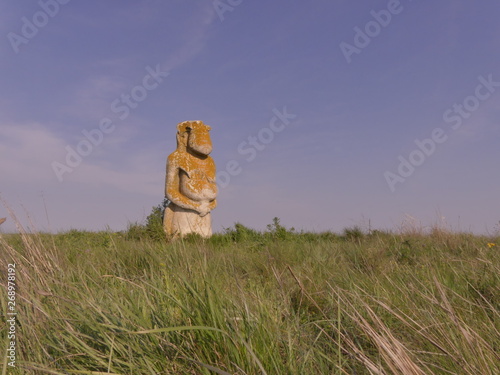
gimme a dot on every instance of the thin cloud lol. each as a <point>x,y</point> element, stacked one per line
<point>26,153</point>
<point>196,36</point>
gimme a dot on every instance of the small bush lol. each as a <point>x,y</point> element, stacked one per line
<point>152,229</point>
<point>278,231</point>
<point>353,234</point>
<point>242,233</point>
<point>154,223</point>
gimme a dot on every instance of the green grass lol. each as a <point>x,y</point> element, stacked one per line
<point>249,302</point>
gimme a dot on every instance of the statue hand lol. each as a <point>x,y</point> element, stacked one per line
<point>212,204</point>
<point>204,208</point>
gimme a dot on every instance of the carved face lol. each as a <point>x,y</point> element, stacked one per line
<point>199,138</point>
<point>195,136</point>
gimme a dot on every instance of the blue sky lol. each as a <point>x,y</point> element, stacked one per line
<point>359,85</point>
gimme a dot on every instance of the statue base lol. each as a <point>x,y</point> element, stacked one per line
<point>178,222</point>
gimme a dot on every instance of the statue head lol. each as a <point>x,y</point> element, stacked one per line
<point>194,136</point>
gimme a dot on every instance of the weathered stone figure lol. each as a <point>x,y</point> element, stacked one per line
<point>190,182</point>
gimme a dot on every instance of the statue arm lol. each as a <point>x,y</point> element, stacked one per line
<point>172,187</point>
<point>212,175</point>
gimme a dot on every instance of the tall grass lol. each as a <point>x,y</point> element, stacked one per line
<point>249,302</point>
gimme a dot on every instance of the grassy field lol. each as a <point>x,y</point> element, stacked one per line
<point>247,302</point>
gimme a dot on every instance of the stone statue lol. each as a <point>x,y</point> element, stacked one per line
<point>190,182</point>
